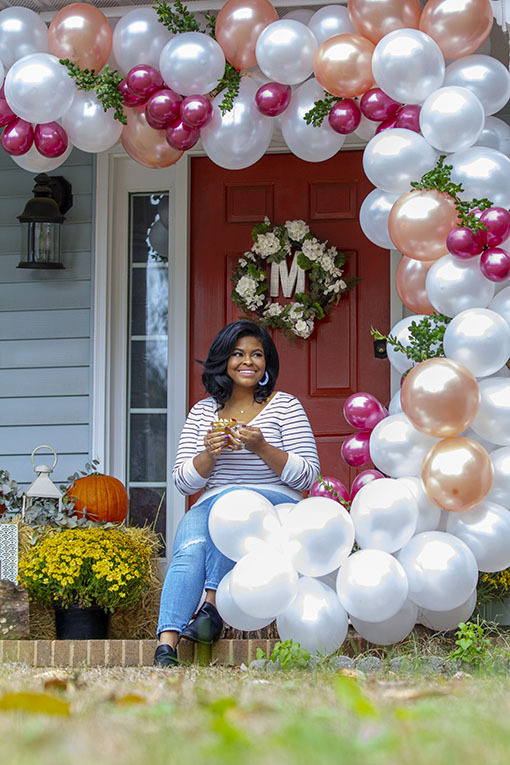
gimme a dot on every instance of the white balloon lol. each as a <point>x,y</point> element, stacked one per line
<point>319,535</point>
<point>373,217</point>
<point>283,509</point>
<point>330,21</point>
<point>34,161</point>
<point>444,621</point>
<point>396,157</point>
<point>493,419</point>
<point>484,76</point>
<point>454,285</point>
<point>232,614</point>
<point>401,331</point>
<point>263,583</point>
<point>495,135</point>
<point>440,568</point>
<point>372,585</point>
<point>395,405</point>
<point>500,490</point>
<point>397,448</point>
<point>479,339</point>
<point>385,514</point>
<point>429,514</point>
<point>451,118</point>
<point>315,619</point>
<point>22,32</point>
<point>303,15</point>
<point>483,172</point>
<point>38,88</point>
<point>87,124</point>
<point>366,128</point>
<point>241,136</point>
<point>139,38</point>
<point>391,630</point>
<point>501,304</point>
<point>486,531</point>
<point>285,50</point>
<point>487,445</point>
<point>313,144</point>
<point>2,73</point>
<point>192,63</point>
<point>408,65</point>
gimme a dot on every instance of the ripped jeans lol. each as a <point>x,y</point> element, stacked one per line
<point>197,563</point>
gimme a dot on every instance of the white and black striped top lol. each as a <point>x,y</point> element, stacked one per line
<point>283,423</point>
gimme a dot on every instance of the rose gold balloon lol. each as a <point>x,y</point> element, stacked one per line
<point>343,65</point>
<point>441,397</point>
<point>420,221</point>
<point>147,146</point>
<point>457,474</point>
<point>376,18</point>
<point>410,282</point>
<point>81,33</point>
<point>238,26</point>
<point>458,26</point>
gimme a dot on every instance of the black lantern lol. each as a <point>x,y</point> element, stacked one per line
<point>41,222</point>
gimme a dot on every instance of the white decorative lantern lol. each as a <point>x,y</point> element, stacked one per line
<point>43,487</point>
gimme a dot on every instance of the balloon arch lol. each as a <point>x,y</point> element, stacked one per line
<point>415,83</point>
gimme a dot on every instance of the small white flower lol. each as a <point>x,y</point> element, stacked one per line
<point>266,244</point>
<point>303,328</point>
<point>242,262</point>
<point>267,221</point>
<point>313,249</point>
<point>327,263</point>
<point>275,309</point>
<point>297,229</point>
<point>343,285</point>
<point>246,286</point>
<point>295,311</point>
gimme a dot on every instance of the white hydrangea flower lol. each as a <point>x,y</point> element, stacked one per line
<point>343,285</point>
<point>275,309</point>
<point>295,311</point>
<point>313,249</point>
<point>246,286</point>
<point>242,262</point>
<point>266,244</point>
<point>327,263</point>
<point>303,328</point>
<point>297,229</point>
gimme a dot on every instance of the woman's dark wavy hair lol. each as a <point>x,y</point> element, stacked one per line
<point>215,378</point>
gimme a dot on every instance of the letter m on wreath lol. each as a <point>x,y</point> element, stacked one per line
<point>291,281</point>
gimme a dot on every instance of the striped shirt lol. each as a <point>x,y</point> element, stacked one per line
<point>283,423</point>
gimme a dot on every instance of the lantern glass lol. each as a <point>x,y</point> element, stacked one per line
<point>40,245</point>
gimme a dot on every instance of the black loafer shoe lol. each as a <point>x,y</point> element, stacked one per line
<point>165,656</point>
<point>206,627</point>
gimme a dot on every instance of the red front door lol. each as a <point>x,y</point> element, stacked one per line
<point>338,359</point>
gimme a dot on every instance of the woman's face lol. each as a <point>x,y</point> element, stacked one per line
<point>247,365</point>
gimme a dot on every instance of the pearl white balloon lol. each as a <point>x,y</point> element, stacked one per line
<point>263,583</point>
<point>303,15</point>
<point>451,118</point>
<point>493,419</point>
<point>22,32</point>
<point>440,568</point>
<point>501,304</point>
<point>2,73</point>
<point>429,514</point>
<point>445,621</point>
<point>87,124</point>
<point>372,585</point>
<point>397,448</point>
<point>232,614</point>
<point>391,630</point>
<point>34,162</point>
<point>285,50</point>
<point>373,217</point>
<point>486,531</point>
<point>396,157</point>
<point>139,38</point>
<point>319,535</point>
<point>500,490</point>
<point>38,88</point>
<point>192,63</point>
<point>305,141</point>
<point>454,285</point>
<point>330,21</point>
<point>479,339</point>
<point>241,136</point>
<point>495,135</point>
<point>483,172</point>
<point>487,445</point>
<point>400,331</point>
<point>408,65</point>
<point>395,405</point>
<point>484,76</point>
<point>366,128</point>
<point>315,619</point>
<point>385,514</point>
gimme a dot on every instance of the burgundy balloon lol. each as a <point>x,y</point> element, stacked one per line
<point>377,106</point>
<point>18,137</point>
<point>408,117</point>
<point>364,411</point>
<point>163,107</point>
<point>6,113</point>
<point>497,222</point>
<point>143,80</point>
<point>327,487</point>
<point>495,264</point>
<point>356,449</point>
<point>345,116</point>
<point>462,242</point>
<point>196,111</point>
<point>391,122</point>
<point>50,139</point>
<point>273,98</point>
<point>129,97</point>
<point>367,476</point>
<point>181,136</point>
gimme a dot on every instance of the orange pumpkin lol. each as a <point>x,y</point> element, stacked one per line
<point>103,497</point>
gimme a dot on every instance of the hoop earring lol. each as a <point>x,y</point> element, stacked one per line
<point>264,380</point>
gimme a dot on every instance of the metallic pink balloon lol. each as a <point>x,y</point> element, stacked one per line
<point>364,411</point>
<point>497,222</point>
<point>144,80</point>
<point>50,139</point>
<point>367,476</point>
<point>273,98</point>
<point>327,487</point>
<point>129,97</point>
<point>345,116</point>
<point>163,108</point>
<point>181,136</point>
<point>378,106</point>
<point>391,122</point>
<point>462,242</point>
<point>6,113</point>
<point>408,117</point>
<point>196,111</point>
<point>356,449</point>
<point>495,264</point>
<point>18,137</point>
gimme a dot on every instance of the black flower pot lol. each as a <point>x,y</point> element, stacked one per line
<point>76,623</point>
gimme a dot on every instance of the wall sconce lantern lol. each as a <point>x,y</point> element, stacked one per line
<point>43,487</point>
<point>41,222</point>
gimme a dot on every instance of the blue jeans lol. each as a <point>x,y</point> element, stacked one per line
<point>197,563</point>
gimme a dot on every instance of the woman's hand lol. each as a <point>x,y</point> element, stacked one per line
<point>251,438</point>
<point>214,442</point>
